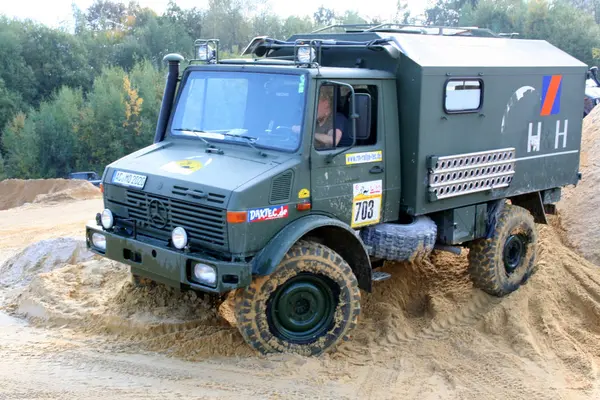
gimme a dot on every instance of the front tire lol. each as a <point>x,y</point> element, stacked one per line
<point>501,264</point>
<point>307,306</point>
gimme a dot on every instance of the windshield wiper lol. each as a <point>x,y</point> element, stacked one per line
<point>210,146</point>
<point>249,139</point>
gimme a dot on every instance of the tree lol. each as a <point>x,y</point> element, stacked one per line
<point>56,127</point>
<point>2,169</point>
<point>324,16</point>
<point>56,59</point>
<point>22,148</point>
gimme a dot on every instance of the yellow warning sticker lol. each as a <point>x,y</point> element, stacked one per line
<point>304,194</point>
<point>366,203</point>
<point>365,157</point>
<point>184,167</point>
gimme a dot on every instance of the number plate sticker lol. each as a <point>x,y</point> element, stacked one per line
<point>366,203</point>
<point>129,179</point>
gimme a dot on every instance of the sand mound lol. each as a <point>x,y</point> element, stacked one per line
<point>427,316</point>
<point>97,297</point>
<point>579,205</point>
<point>41,257</point>
<point>16,192</point>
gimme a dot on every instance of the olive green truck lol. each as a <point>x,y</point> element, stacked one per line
<point>285,178</point>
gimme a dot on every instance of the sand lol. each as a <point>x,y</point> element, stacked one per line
<point>579,205</point>
<point>424,334</point>
<point>16,192</point>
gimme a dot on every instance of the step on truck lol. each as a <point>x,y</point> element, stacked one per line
<point>285,178</point>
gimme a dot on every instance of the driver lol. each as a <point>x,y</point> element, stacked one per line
<point>324,129</point>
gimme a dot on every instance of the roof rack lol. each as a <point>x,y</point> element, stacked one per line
<point>261,45</point>
<point>418,29</point>
<point>347,27</point>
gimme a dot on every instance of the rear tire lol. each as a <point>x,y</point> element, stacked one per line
<point>307,306</point>
<point>500,265</point>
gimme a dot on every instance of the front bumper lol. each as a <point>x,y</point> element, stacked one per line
<point>153,260</point>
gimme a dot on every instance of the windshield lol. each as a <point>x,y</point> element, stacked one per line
<point>218,106</point>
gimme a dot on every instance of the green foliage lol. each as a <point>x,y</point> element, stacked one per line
<point>81,100</point>
<point>43,143</point>
<point>22,149</point>
<point>2,170</point>
<point>569,28</point>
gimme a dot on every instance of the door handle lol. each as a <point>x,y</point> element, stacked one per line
<point>376,170</point>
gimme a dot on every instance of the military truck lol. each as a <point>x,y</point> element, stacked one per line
<point>286,177</point>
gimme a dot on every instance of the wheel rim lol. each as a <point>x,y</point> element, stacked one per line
<point>514,252</point>
<point>302,309</point>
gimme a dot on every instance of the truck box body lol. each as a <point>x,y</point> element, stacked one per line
<point>528,109</point>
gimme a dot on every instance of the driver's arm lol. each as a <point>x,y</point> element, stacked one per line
<point>327,138</point>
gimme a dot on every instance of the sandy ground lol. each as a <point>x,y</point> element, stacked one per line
<point>425,334</point>
<point>581,226</point>
<point>74,327</point>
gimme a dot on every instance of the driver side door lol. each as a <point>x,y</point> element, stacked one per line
<point>349,185</point>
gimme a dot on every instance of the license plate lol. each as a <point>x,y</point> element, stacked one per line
<point>129,179</point>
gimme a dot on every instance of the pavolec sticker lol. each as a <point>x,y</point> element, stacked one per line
<point>366,203</point>
<point>267,213</point>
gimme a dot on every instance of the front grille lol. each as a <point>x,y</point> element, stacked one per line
<point>157,216</point>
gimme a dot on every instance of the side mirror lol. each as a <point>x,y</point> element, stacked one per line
<point>363,109</point>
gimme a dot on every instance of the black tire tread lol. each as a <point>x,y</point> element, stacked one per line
<point>250,303</point>
<point>401,242</point>
<point>486,268</point>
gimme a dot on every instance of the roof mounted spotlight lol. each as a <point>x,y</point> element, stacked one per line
<point>305,54</point>
<point>206,51</point>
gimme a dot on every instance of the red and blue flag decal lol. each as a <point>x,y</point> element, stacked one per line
<point>551,90</point>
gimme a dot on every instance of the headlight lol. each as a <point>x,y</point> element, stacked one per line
<point>107,219</point>
<point>306,54</point>
<point>205,274</point>
<point>179,237</point>
<point>99,241</point>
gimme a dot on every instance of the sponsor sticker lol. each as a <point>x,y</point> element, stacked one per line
<point>366,203</point>
<point>365,157</point>
<point>304,194</point>
<point>184,167</point>
<point>268,213</point>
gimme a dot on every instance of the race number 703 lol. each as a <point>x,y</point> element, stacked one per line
<point>366,211</point>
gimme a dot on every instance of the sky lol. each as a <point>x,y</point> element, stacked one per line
<point>55,12</point>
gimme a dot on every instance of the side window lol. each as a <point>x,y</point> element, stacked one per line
<point>463,95</point>
<point>333,111</point>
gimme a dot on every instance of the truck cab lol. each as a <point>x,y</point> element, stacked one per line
<point>286,179</point>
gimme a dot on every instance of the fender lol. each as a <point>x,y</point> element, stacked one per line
<point>328,231</point>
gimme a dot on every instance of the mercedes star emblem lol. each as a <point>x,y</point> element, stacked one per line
<point>158,213</point>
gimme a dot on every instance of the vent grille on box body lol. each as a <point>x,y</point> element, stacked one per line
<point>463,174</point>
<point>281,187</point>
